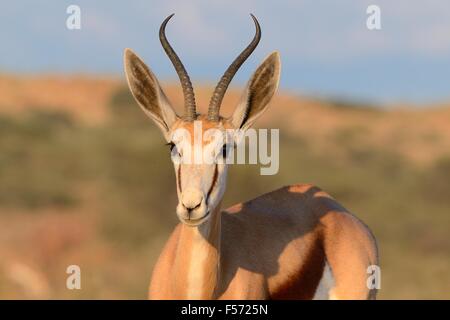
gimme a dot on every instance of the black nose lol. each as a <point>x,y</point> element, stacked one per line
<point>191,208</point>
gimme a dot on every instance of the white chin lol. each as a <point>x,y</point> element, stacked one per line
<point>195,222</point>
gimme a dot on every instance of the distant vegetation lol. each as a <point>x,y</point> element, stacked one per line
<point>115,185</point>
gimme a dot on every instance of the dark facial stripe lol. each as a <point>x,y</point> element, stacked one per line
<point>179,177</point>
<point>214,181</point>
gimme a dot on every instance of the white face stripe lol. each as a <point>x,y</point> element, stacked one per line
<point>212,186</point>
<point>200,184</point>
<point>203,176</point>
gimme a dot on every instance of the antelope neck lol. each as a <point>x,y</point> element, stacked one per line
<point>196,265</point>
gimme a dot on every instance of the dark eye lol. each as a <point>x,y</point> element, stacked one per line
<point>171,145</point>
<point>174,152</point>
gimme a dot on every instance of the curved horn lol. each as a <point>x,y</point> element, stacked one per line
<point>221,88</point>
<point>186,84</point>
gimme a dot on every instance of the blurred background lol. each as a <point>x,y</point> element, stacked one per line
<point>85,177</point>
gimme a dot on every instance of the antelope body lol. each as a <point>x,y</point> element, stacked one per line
<point>293,243</point>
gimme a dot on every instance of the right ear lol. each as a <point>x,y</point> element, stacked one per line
<point>259,91</point>
<point>148,93</point>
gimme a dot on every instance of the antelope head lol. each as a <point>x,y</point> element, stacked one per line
<point>201,183</point>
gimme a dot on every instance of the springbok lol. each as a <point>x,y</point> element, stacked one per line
<point>296,242</point>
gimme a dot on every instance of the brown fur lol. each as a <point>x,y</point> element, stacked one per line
<point>275,246</point>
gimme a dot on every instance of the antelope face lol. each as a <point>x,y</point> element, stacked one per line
<point>199,143</point>
<point>198,151</point>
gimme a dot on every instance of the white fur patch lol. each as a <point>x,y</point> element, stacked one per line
<point>197,261</point>
<point>326,285</point>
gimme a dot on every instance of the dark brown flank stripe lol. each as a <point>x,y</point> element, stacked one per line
<point>304,283</point>
<point>212,184</point>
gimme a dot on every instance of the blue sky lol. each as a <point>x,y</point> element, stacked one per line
<point>325,47</point>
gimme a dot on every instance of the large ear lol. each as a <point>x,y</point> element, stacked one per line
<point>259,91</point>
<point>148,93</point>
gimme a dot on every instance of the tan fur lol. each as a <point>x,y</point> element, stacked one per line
<point>264,248</point>
<point>293,243</point>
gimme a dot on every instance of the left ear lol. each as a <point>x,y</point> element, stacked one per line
<point>259,91</point>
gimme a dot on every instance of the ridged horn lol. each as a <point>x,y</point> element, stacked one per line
<point>221,88</point>
<point>186,84</point>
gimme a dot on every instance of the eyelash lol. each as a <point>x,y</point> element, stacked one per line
<point>171,146</point>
